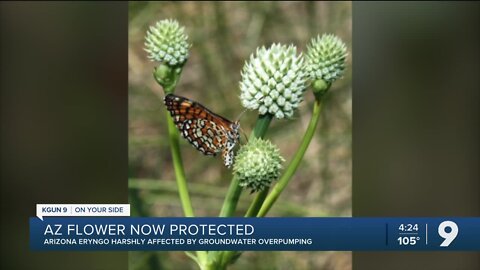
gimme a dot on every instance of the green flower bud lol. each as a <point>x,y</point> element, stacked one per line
<point>326,58</point>
<point>257,164</point>
<point>167,42</point>
<point>273,81</point>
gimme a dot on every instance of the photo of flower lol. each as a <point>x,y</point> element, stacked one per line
<point>262,92</point>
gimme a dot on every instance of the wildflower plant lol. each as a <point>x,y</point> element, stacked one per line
<point>326,58</point>
<point>167,42</point>
<point>258,164</point>
<point>274,82</point>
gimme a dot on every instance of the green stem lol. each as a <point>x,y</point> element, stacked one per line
<point>181,179</point>
<point>252,211</point>
<point>178,167</point>
<point>257,203</point>
<point>168,77</point>
<point>226,257</point>
<point>292,167</point>
<point>231,199</point>
<point>235,190</point>
<point>261,126</point>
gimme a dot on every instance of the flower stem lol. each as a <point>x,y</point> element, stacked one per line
<point>178,167</point>
<point>257,203</point>
<point>181,179</point>
<point>261,126</point>
<point>168,77</point>
<point>235,190</point>
<point>252,211</point>
<point>292,167</point>
<point>231,199</point>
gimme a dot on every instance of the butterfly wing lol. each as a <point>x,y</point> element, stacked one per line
<point>205,130</point>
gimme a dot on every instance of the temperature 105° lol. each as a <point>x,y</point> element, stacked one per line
<point>408,240</point>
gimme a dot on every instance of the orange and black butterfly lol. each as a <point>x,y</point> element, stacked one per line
<point>208,132</point>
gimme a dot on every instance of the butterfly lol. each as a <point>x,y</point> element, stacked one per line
<point>208,132</point>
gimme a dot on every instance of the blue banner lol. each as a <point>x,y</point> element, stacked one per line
<point>293,234</point>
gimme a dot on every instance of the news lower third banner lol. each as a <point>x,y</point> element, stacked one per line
<point>293,234</point>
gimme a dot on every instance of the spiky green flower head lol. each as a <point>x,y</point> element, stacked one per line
<point>326,56</point>
<point>167,42</point>
<point>273,81</point>
<point>257,164</point>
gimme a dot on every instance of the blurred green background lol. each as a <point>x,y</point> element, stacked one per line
<point>224,34</point>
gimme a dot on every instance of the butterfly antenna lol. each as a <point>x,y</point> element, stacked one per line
<point>238,120</point>
<point>240,115</point>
